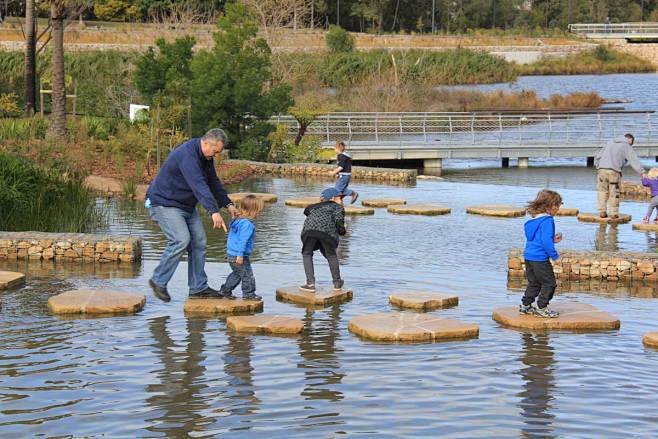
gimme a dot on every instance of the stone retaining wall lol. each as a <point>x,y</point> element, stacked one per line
<point>611,266</point>
<point>320,170</point>
<point>73,247</point>
<point>634,191</point>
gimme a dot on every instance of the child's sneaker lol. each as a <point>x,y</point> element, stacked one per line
<point>645,220</point>
<point>227,295</point>
<point>546,313</point>
<point>338,285</point>
<point>526,309</point>
<point>309,288</point>
<point>251,296</point>
<point>355,195</point>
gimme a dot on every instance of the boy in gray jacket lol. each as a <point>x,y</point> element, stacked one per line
<point>609,161</point>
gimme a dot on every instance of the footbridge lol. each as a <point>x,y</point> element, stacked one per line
<point>631,32</point>
<point>434,137</point>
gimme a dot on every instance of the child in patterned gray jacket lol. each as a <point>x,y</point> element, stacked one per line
<point>325,223</point>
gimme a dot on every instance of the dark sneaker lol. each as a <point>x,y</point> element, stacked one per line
<point>355,195</point>
<point>309,288</point>
<point>160,292</point>
<point>546,313</point>
<point>603,215</point>
<point>339,284</point>
<point>208,293</point>
<point>251,296</point>
<point>227,295</point>
<point>614,217</point>
<point>526,309</point>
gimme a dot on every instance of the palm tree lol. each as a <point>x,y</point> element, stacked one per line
<point>58,117</point>
<point>30,57</point>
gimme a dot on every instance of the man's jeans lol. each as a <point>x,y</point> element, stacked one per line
<point>342,183</point>
<point>184,232</point>
<point>241,273</point>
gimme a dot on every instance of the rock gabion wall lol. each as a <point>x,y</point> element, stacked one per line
<point>634,191</point>
<point>73,247</point>
<point>320,170</point>
<point>611,266</point>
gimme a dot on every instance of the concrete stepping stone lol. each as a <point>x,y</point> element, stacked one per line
<point>422,300</point>
<point>568,211</point>
<point>265,324</point>
<point>383,202</point>
<point>500,210</point>
<point>267,198</point>
<point>302,202</point>
<point>651,339</point>
<point>9,279</point>
<point>322,297</point>
<point>573,316</point>
<point>356,210</point>
<point>649,227</point>
<point>595,218</point>
<point>408,327</point>
<point>419,209</point>
<point>222,306</point>
<point>96,302</point>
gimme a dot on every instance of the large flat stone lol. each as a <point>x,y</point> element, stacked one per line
<point>222,306</point>
<point>649,227</point>
<point>356,210</point>
<point>96,302</point>
<point>423,300</point>
<point>419,209</point>
<point>403,326</point>
<point>267,198</point>
<point>651,339</point>
<point>383,202</point>
<point>265,324</point>
<point>302,202</point>
<point>573,316</point>
<point>595,218</point>
<point>500,210</point>
<point>323,296</point>
<point>568,211</point>
<point>9,279</point>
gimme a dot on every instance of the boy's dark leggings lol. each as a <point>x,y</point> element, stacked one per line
<point>327,250</point>
<point>541,282</point>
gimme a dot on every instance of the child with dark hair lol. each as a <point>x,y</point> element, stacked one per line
<point>539,249</point>
<point>344,172</point>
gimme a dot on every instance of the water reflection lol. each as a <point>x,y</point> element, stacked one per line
<point>607,238</point>
<point>237,365</point>
<point>538,362</point>
<point>602,287</point>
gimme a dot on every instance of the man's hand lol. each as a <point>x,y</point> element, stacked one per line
<point>233,211</point>
<point>218,222</point>
<point>239,260</point>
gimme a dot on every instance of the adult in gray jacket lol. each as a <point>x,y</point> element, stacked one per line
<point>609,161</point>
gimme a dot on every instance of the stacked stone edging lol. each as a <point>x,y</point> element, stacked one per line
<point>634,190</point>
<point>71,247</point>
<point>611,266</point>
<point>322,170</point>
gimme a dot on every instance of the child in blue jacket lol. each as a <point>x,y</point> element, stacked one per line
<point>239,247</point>
<point>540,246</point>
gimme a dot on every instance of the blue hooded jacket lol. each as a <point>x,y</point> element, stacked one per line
<point>241,237</point>
<point>539,235</point>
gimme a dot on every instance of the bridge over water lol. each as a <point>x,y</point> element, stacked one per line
<point>631,32</point>
<point>433,137</point>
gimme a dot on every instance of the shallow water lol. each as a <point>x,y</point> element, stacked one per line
<point>162,374</point>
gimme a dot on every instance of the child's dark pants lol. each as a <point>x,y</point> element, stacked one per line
<point>541,282</point>
<point>311,244</point>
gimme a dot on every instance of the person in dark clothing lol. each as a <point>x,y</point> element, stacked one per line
<point>187,177</point>
<point>539,248</point>
<point>324,224</point>
<point>344,172</point>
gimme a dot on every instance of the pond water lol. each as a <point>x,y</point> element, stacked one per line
<point>163,374</point>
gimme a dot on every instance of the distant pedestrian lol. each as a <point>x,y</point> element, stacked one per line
<point>539,249</point>
<point>609,162</point>
<point>650,180</point>
<point>344,172</point>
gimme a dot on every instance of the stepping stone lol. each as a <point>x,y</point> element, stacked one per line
<point>222,306</point>
<point>402,326</point>
<point>651,339</point>
<point>383,202</point>
<point>429,177</point>
<point>302,202</point>
<point>501,210</point>
<point>356,210</point>
<point>265,324</point>
<point>96,302</point>
<point>649,227</point>
<point>419,209</point>
<point>323,296</point>
<point>595,218</point>
<point>573,316</point>
<point>423,301</point>
<point>568,211</point>
<point>267,198</point>
<point>9,279</point>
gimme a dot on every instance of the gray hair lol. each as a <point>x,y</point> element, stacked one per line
<point>216,135</point>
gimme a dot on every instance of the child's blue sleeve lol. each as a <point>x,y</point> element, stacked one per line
<point>548,238</point>
<point>246,230</point>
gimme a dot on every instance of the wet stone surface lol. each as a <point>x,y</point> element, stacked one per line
<point>419,209</point>
<point>573,316</point>
<point>265,324</point>
<point>302,202</point>
<point>500,210</point>
<point>356,210</point>
<point>568,211</point>
<point>222,306</point>
<point>267,198</point>
<point>96,302</point>
<point>383,202</point>
<point>596,218</point>
<point>322,296</point>
<point>651,339</point>
<point>9,279</point>
<point>423,300</point>
<point>410,327</point>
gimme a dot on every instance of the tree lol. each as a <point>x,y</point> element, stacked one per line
<point>232,83</point>
<point>57,126</point>
<point>30,57</point>
<point>117,10</point>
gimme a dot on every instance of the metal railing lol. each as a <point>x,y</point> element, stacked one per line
<point>437,130</point>
<point>620,29</point>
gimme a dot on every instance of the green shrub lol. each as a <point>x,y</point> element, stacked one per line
<point>23,129</point>
<point>339,40</point>
<point>9,105</point>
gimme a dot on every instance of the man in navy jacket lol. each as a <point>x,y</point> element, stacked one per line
<point>186,178</point>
